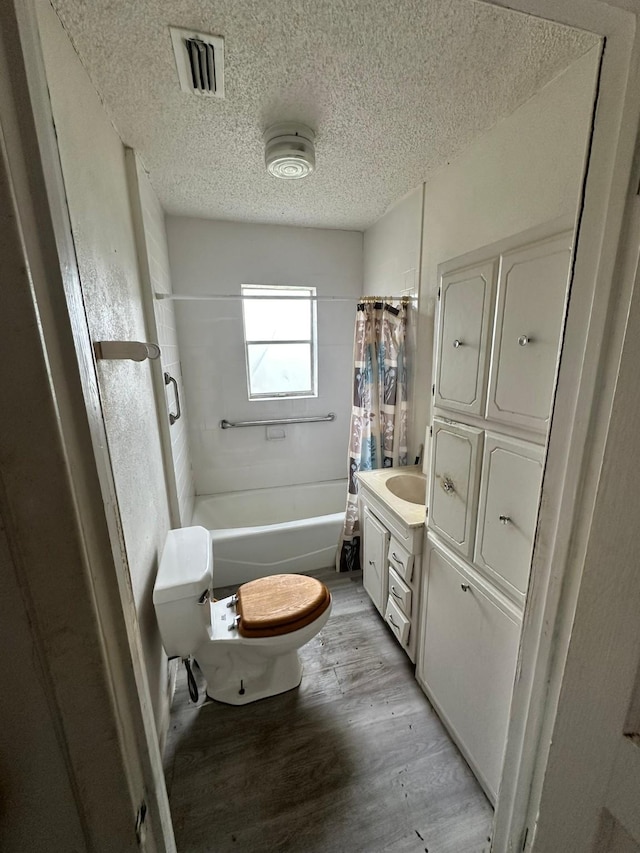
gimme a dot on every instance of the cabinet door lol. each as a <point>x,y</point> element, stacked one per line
<point>463,338</point>
<point>532,287</point>
<point>374,563</point>
<point>467,661</point>
<point>455,458</point>
<point>509,496</point>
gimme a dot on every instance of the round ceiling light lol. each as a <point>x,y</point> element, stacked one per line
<point>289,151</point>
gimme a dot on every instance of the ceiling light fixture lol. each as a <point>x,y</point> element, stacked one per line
<point>289,150</point>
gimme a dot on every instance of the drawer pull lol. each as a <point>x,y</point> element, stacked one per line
<point>390,618</point>
<point>457,343</point>
<point>395,594</point>
<point>465,587</point>
<point>504,519</point>
<point>524,340</point>
<point>448,485</point>
<point>397,559</point>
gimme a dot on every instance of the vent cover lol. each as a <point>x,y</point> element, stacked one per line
<point>200,62</point>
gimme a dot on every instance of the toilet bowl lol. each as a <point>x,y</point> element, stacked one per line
<point>246,645</point>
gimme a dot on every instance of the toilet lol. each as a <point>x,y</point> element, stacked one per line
<point>246,645</point>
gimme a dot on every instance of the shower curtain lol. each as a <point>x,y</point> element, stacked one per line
<point>378,435</point>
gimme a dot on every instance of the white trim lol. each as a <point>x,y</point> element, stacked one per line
<point>581,411</point>
<point>130,689</point>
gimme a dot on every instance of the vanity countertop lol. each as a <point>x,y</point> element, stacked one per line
<point>412,515</point>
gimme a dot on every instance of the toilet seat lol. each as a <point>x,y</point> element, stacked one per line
<point>280,604</point>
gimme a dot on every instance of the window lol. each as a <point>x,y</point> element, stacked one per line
<point>280,341</point>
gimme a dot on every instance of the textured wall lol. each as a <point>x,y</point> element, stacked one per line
<point>217,257</point>
<point>155,239</point>
<point>525,171</point>
<point>93,164</point>
<point>392,251</point>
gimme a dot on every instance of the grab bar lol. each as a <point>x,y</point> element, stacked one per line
<point>315,419</point>
<point>168,379</point>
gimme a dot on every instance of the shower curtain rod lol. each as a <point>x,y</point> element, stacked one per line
<point>213,297</point>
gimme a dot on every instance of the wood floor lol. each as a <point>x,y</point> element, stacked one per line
<point>353,761</point>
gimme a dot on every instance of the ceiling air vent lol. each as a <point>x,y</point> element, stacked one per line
<point>200,62</point>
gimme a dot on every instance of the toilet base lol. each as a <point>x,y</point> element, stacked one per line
<point>249,683</point>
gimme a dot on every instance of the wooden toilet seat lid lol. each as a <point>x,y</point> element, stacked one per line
<point>280,604</point>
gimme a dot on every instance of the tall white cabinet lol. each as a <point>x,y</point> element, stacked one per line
<point>499,325</point>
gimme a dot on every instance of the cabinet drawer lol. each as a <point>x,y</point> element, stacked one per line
<point>401,560</point>
<point>398,622</point>
<point>399,592</point>
<point>455,459</point>
<point>511,479</point>
<point>532,289</point>
<point>464,316</point>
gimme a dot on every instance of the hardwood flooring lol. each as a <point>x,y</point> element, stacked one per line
<point>353,761</point>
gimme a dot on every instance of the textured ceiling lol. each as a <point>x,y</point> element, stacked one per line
<point>393,89</point>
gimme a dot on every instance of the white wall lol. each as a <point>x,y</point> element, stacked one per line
<point>527,170</point>
<point>164,320</point>
<point>392,264</point>
<point>217,257</point>
<point>93,164</point>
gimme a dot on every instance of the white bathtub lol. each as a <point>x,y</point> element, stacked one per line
<point>272,531</point>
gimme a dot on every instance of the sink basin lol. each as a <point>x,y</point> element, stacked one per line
<point>409,487</point>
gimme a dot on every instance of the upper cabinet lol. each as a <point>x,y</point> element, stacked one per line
<point>532,287</point>
<point>455,459</point>
<point>497,353</point>
<point>466,303</point>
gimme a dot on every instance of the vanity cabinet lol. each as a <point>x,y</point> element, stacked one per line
<point>467,660</point>
<point>375,541</point>
<point>392,538</point>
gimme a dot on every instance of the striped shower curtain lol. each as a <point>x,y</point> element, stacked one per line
<point>378,436</point>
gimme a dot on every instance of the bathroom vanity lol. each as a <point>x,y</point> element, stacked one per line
<point>392,518</point>
<point>499,325</point>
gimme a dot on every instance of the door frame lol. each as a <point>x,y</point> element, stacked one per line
<point>592,346</point>
<point>600,296</point>
<point>41,206</point>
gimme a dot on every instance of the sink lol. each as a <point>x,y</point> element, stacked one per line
<point>409,487</point>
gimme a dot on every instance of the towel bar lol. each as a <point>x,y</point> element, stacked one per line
<point>314,419</point>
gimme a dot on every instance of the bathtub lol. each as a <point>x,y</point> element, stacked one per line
<point>272,531</point>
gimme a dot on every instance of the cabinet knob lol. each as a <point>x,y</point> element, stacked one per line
<point>524,340</point>
<point>372,562</point>
<point>504,519</point>
<point>448,485</point>
<point>457,343</point>
<point>465,587</point>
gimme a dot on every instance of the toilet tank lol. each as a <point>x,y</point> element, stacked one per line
<point>184,575</point>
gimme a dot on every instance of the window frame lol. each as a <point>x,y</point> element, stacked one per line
<point>289,291</point>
